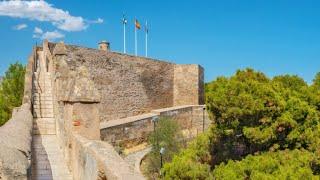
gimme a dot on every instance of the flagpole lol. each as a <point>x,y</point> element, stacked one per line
<point>146,38</point>
<point>124,38</point>
<point>146,44</point>
<point>135,40</point>
<point>124,22</point>
<point>135,37</point>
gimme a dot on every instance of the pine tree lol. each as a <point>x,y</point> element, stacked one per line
<point>11,91</point>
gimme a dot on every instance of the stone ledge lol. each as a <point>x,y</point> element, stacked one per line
<point>127,120</point>
<point>159,111</point>
<point>131,119</point>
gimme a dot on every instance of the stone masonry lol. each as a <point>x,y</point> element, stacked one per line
<point>131,85</point>
<point>47,158</point>
<point>73,91</point>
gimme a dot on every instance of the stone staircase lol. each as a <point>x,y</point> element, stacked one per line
<point>47,158</point>
<point>42,104</point>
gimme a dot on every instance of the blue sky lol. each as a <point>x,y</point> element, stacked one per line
<point>272,36</point>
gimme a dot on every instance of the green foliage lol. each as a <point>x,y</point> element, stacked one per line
<point>278,117</point>
<point>316,81</point>
<point>11,91</point>
<point>295,164</point>
<point>167,136</point>
<point>254,113</point>
<point>193,162</point>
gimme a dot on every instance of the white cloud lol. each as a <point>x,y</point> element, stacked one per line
<point>50,35</point>
<point>43,11</point>
<point>53,35</point>
<point>37,30</point>
<point>20,27</point>
<point>98,21</point>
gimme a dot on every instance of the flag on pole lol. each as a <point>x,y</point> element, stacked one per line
<point>137,27</point>
<point>147,31</point>
<point>137,24</point>
<point>146,27</point>
<point>124,20</point>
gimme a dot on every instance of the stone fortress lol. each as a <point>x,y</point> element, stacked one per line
<point>80,102</point>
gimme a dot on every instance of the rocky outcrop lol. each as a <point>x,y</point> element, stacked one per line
<point>15,140</point>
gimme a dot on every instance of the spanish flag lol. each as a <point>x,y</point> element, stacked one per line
<point>138,26</point>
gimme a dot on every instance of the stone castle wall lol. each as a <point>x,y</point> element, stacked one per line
<point>131,85</point>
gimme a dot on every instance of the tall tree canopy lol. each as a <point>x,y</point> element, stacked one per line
<point>254,115</point>
<point>11,91</point>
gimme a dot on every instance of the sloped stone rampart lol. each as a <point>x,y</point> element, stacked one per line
<point>15,140</point>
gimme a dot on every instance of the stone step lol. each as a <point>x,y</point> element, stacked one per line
<point>41,81</point>
<point>42,115</point>
<point>42,90</point>
<point>41,84</point>
<point>42,106</point>
<point>44,120</point>
<point>42,102</point>
<point>39,125</point>
<point>36,78</point>
<point>42,78</point>
<point>43,111</point>
<point>37,73</point>
<point>45,77</point>
<point>37,98</point>
<point>51,126</point>
<point>44,129</point>
<point>42,95</point>
<point>48,81</point>
<point>45,104</point>
<point>41,73</point>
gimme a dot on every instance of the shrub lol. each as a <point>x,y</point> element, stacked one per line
<point>167,136</point>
